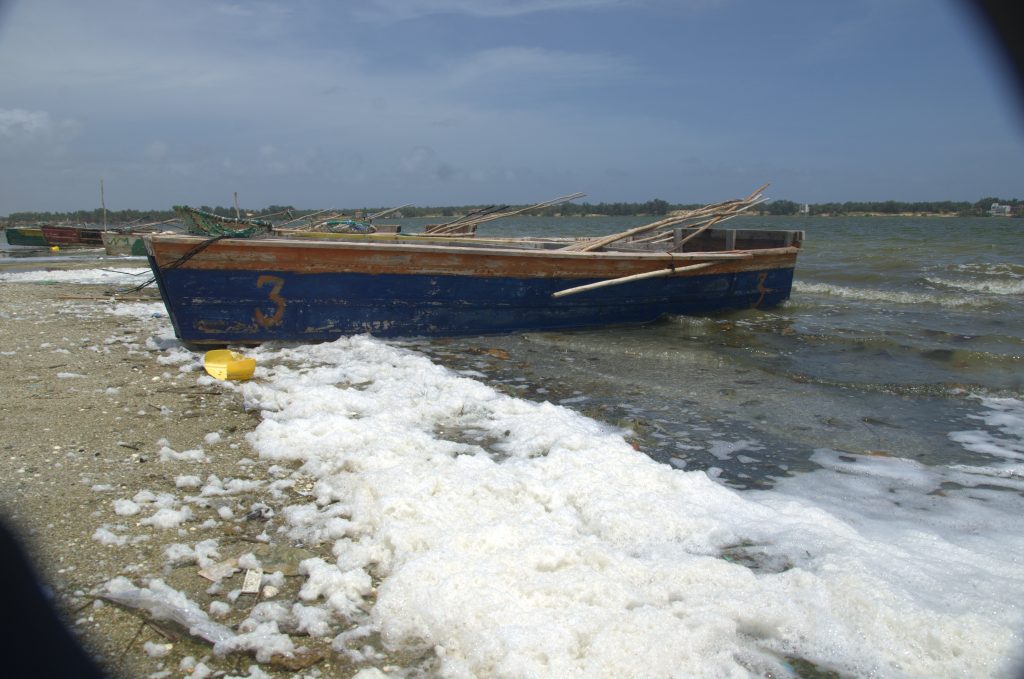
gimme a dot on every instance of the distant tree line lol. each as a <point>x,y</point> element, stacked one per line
<point>651,207</point>
<point>92,216</point>
<point>978,208</point>
<point>143,216</point>
<point>655,207</point>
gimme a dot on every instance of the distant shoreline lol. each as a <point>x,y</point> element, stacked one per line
<point>655,209</point>
<point>6,224</point>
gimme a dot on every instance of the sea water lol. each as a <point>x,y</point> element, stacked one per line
<point>835,485</point>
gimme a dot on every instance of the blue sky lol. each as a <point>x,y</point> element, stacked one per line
<point>320,103</point>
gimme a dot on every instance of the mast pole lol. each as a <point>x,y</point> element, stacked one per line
<point>103,203</point>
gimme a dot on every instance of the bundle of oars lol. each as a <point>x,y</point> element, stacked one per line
<point>135,227</point>
<point>696,221</point>
<point>317,220</point>
<point>468,223</point>
<point>310,222</point>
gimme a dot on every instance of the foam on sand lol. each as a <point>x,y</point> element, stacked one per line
<point>501,537</point>
<point>123,275</point>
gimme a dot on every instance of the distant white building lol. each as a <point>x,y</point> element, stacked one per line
<point>998,210</point>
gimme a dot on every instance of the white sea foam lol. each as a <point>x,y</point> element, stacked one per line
<point>124,275</point>
<point>950,536</point>
<point>888,296</point>
<point>1003,436</point>
<point>142,310</point>
<point>992,286</point>
<point>552,548</point>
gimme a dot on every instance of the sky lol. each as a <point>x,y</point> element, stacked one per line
<point>376,103</point>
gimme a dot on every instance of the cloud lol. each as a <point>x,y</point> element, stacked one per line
<point>537,64</point>
<point>34,131</point>
<point>156,151</point>
<point>403,10</point>
<point>424,162</point>
<point>233,9</point>
<point>398,10</point>
<point>17,123</point>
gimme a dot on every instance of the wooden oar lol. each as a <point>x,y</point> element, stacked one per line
<point>723,209</point>
<point>591,244</point>
<point>629,279</point>
<point>309,216</point>
<point>712,222</point>
<point>662,235</point>
<point>375,215</point>
<point>547,203</point>
<point>147,225</point>
<point>461,223</point>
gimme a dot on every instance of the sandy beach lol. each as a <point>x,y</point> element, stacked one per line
<point>98,430</point>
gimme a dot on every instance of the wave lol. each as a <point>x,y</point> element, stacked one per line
<point>992,287</point>
<point>990,269</point>
<point>1003,432</point>
<point>889,296</point>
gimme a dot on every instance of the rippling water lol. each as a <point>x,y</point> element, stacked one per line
<point>897,333</point>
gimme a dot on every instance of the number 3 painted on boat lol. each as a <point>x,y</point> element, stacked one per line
<point>762,288</point>
<point>274,319</point>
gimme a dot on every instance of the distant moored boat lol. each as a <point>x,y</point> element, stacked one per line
<point>72,235</point>
<point>25,236</point>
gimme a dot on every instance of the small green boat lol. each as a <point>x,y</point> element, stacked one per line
<point>31,236</point>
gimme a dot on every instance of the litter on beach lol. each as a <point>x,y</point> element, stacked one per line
<point>225,364</point>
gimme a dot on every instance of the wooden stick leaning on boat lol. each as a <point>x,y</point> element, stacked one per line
<point>712,222</point>
<point>698,228</point>
<point>462,223</point>
<point>375,215</point>
<point>334,213</point>
<point>309,217</point>
<point>547,203</point>
<point>716,210</point>
<point>663,236</point>
<point>138,228</point>
<point>592,244</point>
<point>459,223</point>
<point>630,279</point>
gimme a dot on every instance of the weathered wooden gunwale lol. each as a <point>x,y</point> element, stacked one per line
<point>308,257</point>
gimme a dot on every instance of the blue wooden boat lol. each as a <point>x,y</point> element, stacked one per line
<point>246,291</point>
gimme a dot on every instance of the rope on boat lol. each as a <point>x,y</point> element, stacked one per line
<point>173,265</point>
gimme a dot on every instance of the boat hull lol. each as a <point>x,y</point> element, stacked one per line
<point>25,236</point>
<point>123,244</point>
<point>72,235</point>
<point>247,292</point>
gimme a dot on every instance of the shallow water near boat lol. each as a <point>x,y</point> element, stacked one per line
<point>896,332</point>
